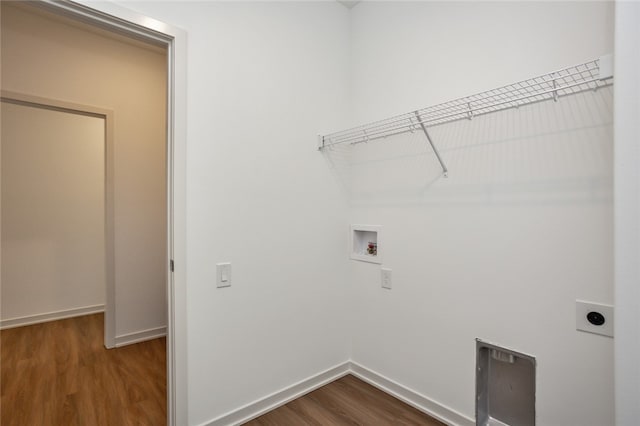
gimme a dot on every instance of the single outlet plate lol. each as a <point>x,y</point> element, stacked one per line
<point>594,318</point>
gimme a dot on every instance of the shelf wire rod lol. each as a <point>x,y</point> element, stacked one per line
<point>400,122</point>
<point>372,136</point>
<point>386,135</point>
<point>479,103</point>
<point>488,111</point>
<point>503,92</point>
<point>403,130</point>
<point>400,130</point>
<point>372,125</point>
<point>497,105</point>
<point>437,111</point>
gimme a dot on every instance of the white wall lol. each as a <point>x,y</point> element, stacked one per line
<point>264,80</point>
<point>53,241</point>
<point>627,212</point>
<point>524,224</point>
<point>522,227</point>
<point>48,57</point>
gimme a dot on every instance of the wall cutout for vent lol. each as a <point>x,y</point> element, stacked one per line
<point>505,387</point>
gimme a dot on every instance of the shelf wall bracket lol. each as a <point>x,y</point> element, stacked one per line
<point>445,171</point>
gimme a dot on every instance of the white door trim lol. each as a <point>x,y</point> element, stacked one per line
<point>118,19</point>
<point>109,307</point>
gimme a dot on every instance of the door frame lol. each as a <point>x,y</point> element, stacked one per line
<point>112,17</point>
<point>107,115</point>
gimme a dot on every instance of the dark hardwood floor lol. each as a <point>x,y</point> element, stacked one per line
<point>59,373</point>
<point>347,401</point>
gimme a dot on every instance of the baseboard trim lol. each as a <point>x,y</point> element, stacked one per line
<point>140,336</point>
<point>411,397</point>
<point>403,393</point>
<point>50,316</point>
<point>279,398</point>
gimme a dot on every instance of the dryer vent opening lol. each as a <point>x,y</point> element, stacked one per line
<point>505,386</point>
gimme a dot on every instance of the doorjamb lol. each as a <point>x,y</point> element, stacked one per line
<point>112,17</point>
<point>107,115</point>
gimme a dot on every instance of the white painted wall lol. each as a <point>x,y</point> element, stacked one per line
<point>47,57</point>
<point>522,227</point>
<point>53,242</point>
<point>525,224</point>
<point>627,212</point>
<point>264,79</point>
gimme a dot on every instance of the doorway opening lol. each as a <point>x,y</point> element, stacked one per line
<point>57,188</point>
<point>128,25</point>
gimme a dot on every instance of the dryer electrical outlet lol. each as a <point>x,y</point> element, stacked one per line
<point>594,318</point>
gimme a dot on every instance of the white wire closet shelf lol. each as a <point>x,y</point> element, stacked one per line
<point>590,75</point>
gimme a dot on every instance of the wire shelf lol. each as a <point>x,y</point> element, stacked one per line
<point>553,86</point>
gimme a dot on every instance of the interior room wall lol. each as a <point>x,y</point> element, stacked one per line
<point>501,253</point>
<point>53,242</point>
<point>264,79</point>
<point>47,57</point>
<point>522,227</point>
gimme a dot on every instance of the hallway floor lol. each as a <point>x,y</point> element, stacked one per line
<point>59,373</point>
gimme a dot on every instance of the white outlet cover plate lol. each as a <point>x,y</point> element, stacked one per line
<point>583,308</point>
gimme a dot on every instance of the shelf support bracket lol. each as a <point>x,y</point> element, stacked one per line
<point>445,172</point>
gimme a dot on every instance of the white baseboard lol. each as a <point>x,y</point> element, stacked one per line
<point>140,336</point>
<point>50,316</point>
<point>411,397</point>
<point>276,399</point>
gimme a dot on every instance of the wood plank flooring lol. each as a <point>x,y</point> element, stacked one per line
<point>59,373</point>
<point>347,401</point>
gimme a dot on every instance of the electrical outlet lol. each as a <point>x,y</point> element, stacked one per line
<point>386,278</point>
<point>223,275</point>
<point>594,318</point>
